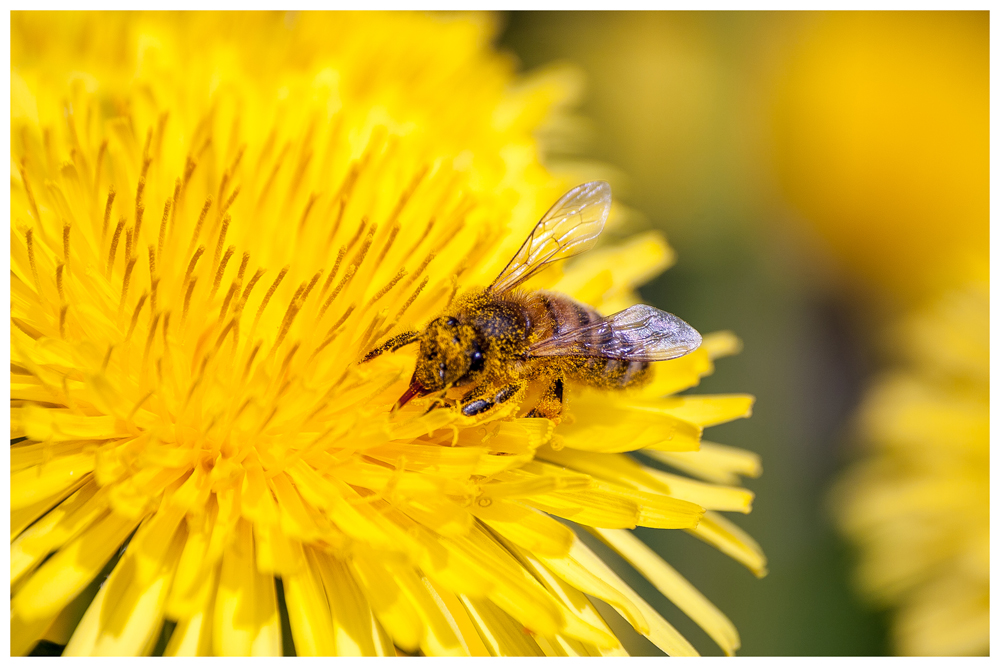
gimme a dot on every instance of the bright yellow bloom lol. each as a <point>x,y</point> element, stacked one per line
<point>214,217</point>
<point>882,128</point>
<point>918,505</point>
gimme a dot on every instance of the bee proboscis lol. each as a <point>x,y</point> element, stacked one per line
<point>501,338</point>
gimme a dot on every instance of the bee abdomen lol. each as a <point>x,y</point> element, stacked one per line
<point>563,314</point>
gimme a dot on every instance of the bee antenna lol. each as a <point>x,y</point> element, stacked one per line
<point>392,345</point>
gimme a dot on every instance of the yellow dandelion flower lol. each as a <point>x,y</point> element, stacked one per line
<point>918,504</point>
<point>214,218</point>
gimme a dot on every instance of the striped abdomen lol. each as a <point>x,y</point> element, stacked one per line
<point>556,314</point>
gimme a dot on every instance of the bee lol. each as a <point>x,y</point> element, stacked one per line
<point>499,339</point>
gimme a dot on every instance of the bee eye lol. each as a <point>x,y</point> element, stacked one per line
<point>477,361</point>
<point>452,322</point>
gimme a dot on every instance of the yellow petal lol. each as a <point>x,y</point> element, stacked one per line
<point>87,631</point>
<point>709,496</point>
<point>277,553</point>
<point>637,611</point>
<point>188,593</point>
<point>525,527</point>
<point>308,612</point>
<point>625,471</point>
<point>63,523</point>
<point>50,424</point>
<point>460,616</point>
<point>732,541</point>
<point>514,590</point>
<point>27,515</point>
<point>132,609</point>
<point>581,620</point>
<point>707,410</point>
<point>245,614</point>
<point>355,629</point>
<point>603,423</point>
<point>594,507</point>
<point>502,635</point>
<point>191,636</point>
<point>675,587</point>
<point>442,636</point>
<point>37,483</point>
<point>714,463</point>
<point>394,611</point>
<point>575,570</point>
<point>59,579</point>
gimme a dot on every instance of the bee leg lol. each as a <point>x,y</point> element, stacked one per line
<point>475,403</point>
<point>392,344</point>
<point>442,402</point>
<point>550,404</point>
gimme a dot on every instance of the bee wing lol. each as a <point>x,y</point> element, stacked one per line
<point>639,333</point>
<point>570,227</point>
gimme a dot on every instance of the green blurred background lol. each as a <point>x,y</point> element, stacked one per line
<point>801,165</point>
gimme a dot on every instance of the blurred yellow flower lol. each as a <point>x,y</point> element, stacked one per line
<point>214,216</point>
<point>882,130</point>
<point>918,504</point>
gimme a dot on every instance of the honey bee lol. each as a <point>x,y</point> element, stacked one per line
<point>499,339</point>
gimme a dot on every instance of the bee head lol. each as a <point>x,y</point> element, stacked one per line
<point>449,351</point>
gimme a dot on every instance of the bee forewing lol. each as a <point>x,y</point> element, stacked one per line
<point>639,333</point>
<point>569,228</point>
